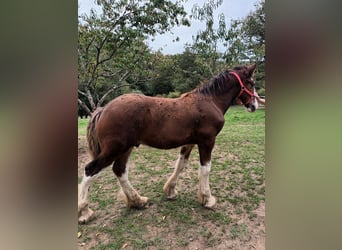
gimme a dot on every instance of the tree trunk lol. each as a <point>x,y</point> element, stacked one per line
<point>84,106</point>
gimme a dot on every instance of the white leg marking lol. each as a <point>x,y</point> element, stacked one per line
<point>204,178</point>
<point>170,186</point>
<point>180,164</point>
<point>84,212</point>
<point>133,199</point>
<point>204,193</point>
<point>125,184</point>
<point>83,190</point>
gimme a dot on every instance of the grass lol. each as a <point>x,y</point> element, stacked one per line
<point>237,180</point>
<point>82,126</point>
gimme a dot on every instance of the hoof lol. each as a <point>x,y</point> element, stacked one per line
<point>210,203</point>
<point>143,202</point>
<point>139,203</point>
<point>86,215</point>
<point>171,193</point>
<point>207,201</point>
<point>173,196</point>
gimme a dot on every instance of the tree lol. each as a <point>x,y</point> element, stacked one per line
<point>164,70</point>
<point>254,33</point>
<point>245,41</point>
<point>111,48</point>
<point>190,70</point>
<point>206,41</point>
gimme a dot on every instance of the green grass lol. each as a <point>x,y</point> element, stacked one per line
<point>82,126</point>
<point>236,179</point>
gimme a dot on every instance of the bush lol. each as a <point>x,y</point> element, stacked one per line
<point>174,94</point>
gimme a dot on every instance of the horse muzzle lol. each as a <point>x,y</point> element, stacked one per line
<point>250,107</point>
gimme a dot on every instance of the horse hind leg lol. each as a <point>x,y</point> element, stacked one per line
<point>91,171</point>
<point>170,187</point>
<point>128,193</point>
<point>85,214</point>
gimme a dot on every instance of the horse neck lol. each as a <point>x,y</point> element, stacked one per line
<point>225,99</point>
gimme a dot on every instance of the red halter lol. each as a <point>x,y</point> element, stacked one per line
<point>243,88</point>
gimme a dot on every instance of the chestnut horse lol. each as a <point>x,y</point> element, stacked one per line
<point>132,119</point>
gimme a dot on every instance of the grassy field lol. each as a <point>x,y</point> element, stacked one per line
<point>236,179</point>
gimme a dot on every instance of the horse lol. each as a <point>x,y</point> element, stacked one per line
<point>195,118</point>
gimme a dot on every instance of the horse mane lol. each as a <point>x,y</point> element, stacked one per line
<point>216,84</point>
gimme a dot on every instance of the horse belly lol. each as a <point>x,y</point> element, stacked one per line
<point>164,143</point>
<point>166,137</point>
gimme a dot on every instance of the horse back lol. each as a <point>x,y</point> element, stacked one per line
<point>134,119</point>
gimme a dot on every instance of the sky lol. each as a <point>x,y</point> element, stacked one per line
<point>232,9</point>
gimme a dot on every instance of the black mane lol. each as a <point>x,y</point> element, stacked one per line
<point>214,85</point>
<point>217,84</point>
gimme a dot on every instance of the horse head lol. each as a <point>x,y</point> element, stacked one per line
<point>246,96</point>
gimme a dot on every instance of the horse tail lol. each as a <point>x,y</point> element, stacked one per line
<point>93,142</point>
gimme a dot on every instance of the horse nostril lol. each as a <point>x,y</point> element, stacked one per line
<point>250,107</point>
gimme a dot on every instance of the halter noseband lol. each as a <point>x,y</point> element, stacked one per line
<point>243,88</point>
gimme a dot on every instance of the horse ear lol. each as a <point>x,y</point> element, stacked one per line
<point>251,68</point>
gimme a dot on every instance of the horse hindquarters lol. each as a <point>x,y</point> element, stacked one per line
<point>100,159</point>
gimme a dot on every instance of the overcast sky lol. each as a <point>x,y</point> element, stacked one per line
<point>232,9</point>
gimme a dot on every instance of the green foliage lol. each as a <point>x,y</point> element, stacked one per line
<point>190,71</point>
<point>111,46</point>
<point>144,16</point>
<point>175,73</point>
<point>163,75</point>
<point>174,94</point>
<point>245,41</point>
<point>206,41</point>
<point>114,59</point>
<point>82,126</point>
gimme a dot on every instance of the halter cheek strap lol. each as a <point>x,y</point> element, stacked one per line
<point>243,88</point>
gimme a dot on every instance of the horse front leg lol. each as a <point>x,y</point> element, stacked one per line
<point>204,193</point>
<point>128,193</point>
<point>170,187</point>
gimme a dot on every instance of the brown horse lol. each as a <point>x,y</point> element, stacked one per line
<point>132,119</point>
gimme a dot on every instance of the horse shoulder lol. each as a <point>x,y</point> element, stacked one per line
<point>209,119</point>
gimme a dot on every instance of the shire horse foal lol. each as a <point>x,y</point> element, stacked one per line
<point>132,119</point>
